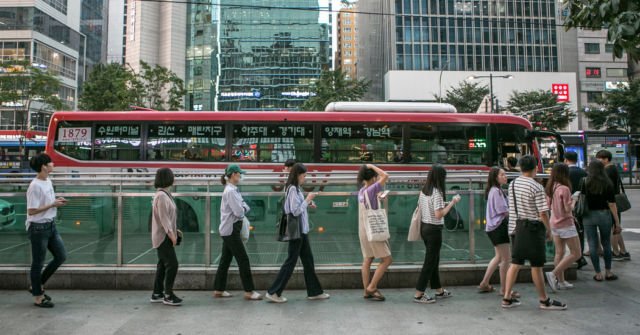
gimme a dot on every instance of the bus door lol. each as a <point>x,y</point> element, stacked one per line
<point>548,148</point>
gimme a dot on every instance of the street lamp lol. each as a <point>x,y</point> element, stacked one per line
<point>491,76</point>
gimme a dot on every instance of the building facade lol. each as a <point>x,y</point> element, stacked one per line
<point>472,36</point>
<point>347,42</point>
<point>256,55</point>
<point>48,34</point>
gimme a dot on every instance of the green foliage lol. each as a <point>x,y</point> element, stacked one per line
<point>117,87</point>
<point>108,89</point>
<point>467,97</point>
<point>619,109</point>
<point>334,86</point>
<point>621,18</point>
<point>541,109</point>
<point>22,84</point>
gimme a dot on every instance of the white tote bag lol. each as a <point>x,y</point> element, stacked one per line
<point>416,224</point>
<point>244,232</point>
<point>376,224</point>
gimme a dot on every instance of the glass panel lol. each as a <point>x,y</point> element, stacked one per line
<point>448,144</point>
<point>272,143</point>
<point>192,142</point>
<point>375,143</point>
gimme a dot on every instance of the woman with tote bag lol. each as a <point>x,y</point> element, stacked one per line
<point>433,211</point>
<point>372,180</point>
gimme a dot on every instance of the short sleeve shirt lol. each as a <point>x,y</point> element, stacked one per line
<point>429,204</point>
<point>39,194</point>
<point>530,199</point>
<point>372,193</point>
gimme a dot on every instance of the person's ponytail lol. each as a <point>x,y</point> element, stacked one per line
<point>223,180</point>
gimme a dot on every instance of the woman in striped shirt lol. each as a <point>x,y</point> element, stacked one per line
<point>433,210</point>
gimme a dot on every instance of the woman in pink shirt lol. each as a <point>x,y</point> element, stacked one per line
<point>563,229</point>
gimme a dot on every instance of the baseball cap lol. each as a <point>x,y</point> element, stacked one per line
<point>233,168</point>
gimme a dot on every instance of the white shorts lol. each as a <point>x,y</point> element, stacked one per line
<point>565,233</point>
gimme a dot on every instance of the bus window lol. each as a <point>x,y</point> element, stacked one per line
<point>272,143</point>
<point>374,143</point>
<point>117,142</point>
<point>511,141</point>
<point>186,142</point>
<point>74,140</point>
<point>449,144</point>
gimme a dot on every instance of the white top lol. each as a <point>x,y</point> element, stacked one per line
<point>429,205</point>
<point>39,194</point>
<point>232,209</point>
<point>530,199</point>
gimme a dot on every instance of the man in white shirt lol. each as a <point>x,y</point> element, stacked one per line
<point>42,207</point>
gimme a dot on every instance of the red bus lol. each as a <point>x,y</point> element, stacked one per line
<point>401,138</point>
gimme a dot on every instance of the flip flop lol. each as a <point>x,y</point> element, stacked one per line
<point>596,278</point>
<point>375,296</point>
<point>610,278</point>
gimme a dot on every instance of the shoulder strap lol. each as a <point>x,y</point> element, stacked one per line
<point>366,199</point>
<point>621,185</point>
<point>583,185</point>
<point>169,195</point>
<point>513,193</point>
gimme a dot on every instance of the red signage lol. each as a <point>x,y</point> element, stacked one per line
<point>562,91</point>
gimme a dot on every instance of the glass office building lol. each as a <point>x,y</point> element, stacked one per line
<point>255,55</point>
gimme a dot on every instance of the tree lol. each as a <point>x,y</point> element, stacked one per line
<point>541,108</point>
<point>467,97</point>
<point>621,18</point>
<point>334,86</point>
<point>108,88</point>
<point>158,88</point>
<point>118,87</point>
<point>619,109</point>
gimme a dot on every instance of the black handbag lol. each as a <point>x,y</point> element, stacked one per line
<point>582,207</point>
<point>288,225</point>
<point>622,202</point>
<point>453,220</point>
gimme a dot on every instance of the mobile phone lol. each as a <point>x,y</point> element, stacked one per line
<point>384,194</point>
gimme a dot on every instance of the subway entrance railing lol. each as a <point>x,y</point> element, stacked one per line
<point>107,219</point>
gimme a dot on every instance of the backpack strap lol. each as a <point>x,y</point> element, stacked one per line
<point>513,193</point>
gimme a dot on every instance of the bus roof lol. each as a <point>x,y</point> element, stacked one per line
<point>386,107</point>
<point>290,116</point>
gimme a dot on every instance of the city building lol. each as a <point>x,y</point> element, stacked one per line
<point>93,25</point>
<point>347,41</point>
<point>255,55</point>
<point>440,38</point>
<point>48,34</point>
<point>116,35</point>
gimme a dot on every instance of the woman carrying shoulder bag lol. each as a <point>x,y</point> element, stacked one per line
<point>601,202</point>
<point>433,210</point>
<point>372,180</point>
<point>296,204</point>
<point>164,237</point>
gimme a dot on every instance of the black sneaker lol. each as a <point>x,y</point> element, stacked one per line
<point>626,256</point>
<point>46,297</point>
<point>552,305</point>
<point>582,263</point>
<point>157,298</point>
<point>172,300</point>
<point>618,257</point>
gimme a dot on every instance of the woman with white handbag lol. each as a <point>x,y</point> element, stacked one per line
<point>371,179</point>
<point>433,210</point>
<point>232,220</point>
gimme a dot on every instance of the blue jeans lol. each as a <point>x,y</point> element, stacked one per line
<point>43,237</point>
<point>594,222</point>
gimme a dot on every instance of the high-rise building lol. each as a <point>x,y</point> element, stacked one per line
<point>117,14</point>
<point>347,49</point>
<point>93,24</point>
<point>507,35</point>
<point>256,54</point>
<point>599,70</point>
<point>48,34</point>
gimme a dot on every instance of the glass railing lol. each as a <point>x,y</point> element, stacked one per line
<point>107,220</point>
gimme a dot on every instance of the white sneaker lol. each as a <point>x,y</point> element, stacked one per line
<point>565,285</point>
<point>552,280</point>
<point>254,296</point>
<point>323,296</point>
<point>223,294</point>
<point>275,298</point>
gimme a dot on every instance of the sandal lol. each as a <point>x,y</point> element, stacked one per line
<point>514,295</point>
<point>596,278</point>
<point>46,297</point>
<point>375,296</point>
<point>486,289</point>
<point>611,277</point>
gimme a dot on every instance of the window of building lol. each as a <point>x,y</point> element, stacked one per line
<point>347,45</point>
<point>616,73</point>
<point>346,29</point>
<point>348,53</point>
<point>347,38</point>
<point>60,5</point>
<point>591,48</point>
<point>592,72</point>
<point>348,61</point>
<point>608,48</point>
<point>593,97</point>
<point>347,22</point>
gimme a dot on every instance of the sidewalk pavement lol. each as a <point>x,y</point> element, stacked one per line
<point>607,307</point>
